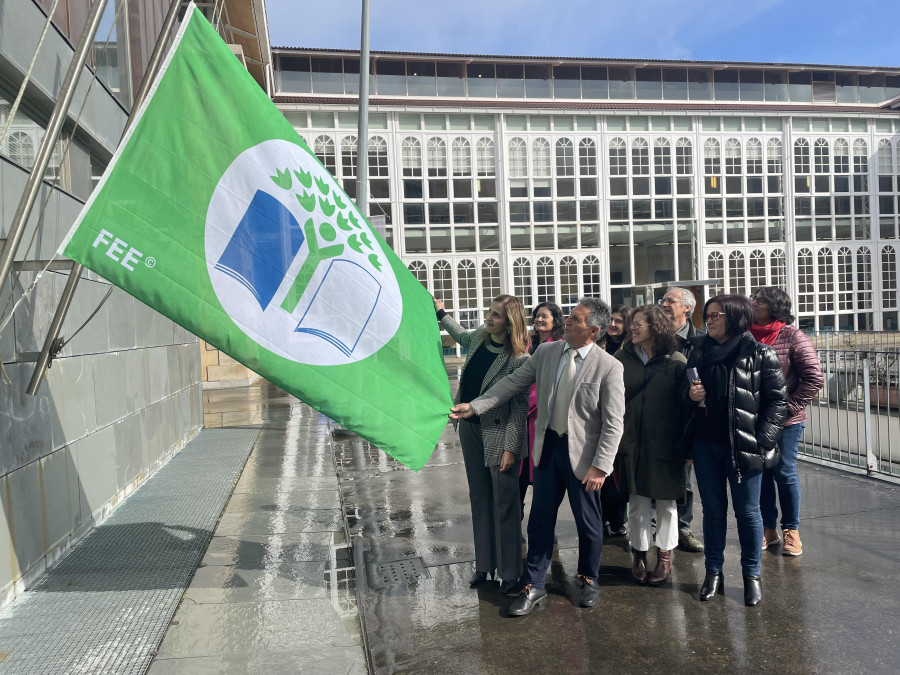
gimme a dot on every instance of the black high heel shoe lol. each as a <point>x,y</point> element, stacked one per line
<point>712,584</point>
<point>479,578</point>
<point>752,591</point>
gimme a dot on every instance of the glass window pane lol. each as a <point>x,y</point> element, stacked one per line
<point>294,74</point>
<point>594,83</point>
<point>649,83</point>
<point>537,81</point>
<point>421,78</point>
<point>752,85</point>
<point>621,83</point>
<point>700,84</point>
<point>566,82</point>
<point>328,76</point>
<point>510,80</point>
<point>775,85</point>
<point>451,79</point>
<point>675,84</point>
<point>800,85</point>
<point>726,85</point>
<point>390,78</point>
<point>480,80</point>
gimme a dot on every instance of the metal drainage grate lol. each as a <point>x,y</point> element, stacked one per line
<point>400,571</point>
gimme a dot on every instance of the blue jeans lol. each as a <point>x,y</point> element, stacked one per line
<point>785,476</point>
<point>713,468</point>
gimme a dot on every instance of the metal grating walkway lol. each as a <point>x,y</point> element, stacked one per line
<point>105,606</point>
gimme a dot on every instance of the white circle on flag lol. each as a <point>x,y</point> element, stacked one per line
<point>293,262</point>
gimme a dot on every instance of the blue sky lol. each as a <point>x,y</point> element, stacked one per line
<point>861,32</point>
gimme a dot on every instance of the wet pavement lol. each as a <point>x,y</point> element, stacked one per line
<point>832,610</point>
<point>279,588</point>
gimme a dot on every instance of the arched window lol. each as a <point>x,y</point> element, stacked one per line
<point>662,157</point>
<point>860,157</point>
<point>462,157</point>
<point>844,279</point>
<point>715,263</point>
<point>733,157</point>
<point>541,155</point>
<point>805,281</point>
<point>378,157</point>
<point>826,280</point>
<point>518,158</point>
<point>712,157</point>
<point>565,157</point>
<point>801,156</point>
<point>411,151</point>
<point>640,157</point>
<point>888,277</point>
<point>419,271</point>
<point>774,157</point>
<point>468,293</point>
<point>442,276</point>
<point>568,282</point>
<point>323,147</point>
<point>779,269</point>
<point>754,156</point>
<point>618,162</point>
<point>591,275</point>
<point>736,264</point>
<point>348,156</point>
<point>684,157</point>
<point>757,270</point>
<point>864,278</point>
<point>841,156</point>
<point>437,157</point>
<point>821,153</point>
<point>21,148</point>
<point>522,280</point>
<point>490,281</point>
<point>587,157</point>
<point>885,158</point>
<point>484,156</point>
<point>546,280</point>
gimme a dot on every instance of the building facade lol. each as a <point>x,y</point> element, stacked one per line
<point>552,178</point>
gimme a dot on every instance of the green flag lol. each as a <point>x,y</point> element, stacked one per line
<point>215,213</point>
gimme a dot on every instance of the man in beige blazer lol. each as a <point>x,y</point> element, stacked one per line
<point>574,445</point>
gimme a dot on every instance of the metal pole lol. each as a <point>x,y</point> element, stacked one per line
<point>362,147</point>
<point>57,119</point>
<point>65,300</point>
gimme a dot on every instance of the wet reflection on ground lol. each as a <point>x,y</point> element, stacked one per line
<point>831,610</point>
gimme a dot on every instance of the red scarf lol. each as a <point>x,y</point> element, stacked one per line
<point>767,333</point>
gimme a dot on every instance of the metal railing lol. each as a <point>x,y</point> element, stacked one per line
<point>855,340</point>
<point>855,419</point>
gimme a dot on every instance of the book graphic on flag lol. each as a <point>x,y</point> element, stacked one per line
<point>262,248</point>
<point>320,318</point>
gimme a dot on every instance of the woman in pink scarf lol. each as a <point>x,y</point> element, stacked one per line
<point>546,326</point>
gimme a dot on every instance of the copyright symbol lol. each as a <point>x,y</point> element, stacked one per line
<point>150,261</point>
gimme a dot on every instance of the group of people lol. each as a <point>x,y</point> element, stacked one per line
<point>612,408</point>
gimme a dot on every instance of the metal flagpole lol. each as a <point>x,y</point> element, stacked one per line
<point>362,146</point>
<point>57,119</point>
<point>65,301</point>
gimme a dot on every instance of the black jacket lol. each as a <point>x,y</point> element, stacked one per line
<point>683,344</point>
<point>757,396</point>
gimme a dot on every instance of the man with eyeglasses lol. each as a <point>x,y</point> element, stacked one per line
<point>678,304</point>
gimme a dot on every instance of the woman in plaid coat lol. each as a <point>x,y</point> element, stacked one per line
<point>494,443</point>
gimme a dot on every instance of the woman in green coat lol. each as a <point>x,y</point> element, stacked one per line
<point>650,459</point>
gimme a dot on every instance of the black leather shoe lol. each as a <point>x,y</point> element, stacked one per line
<point>478,578</point>
<point>528,599</point>
<point>511,587</point>
<point>712,584</point>
<point>590,594</point>
<point>752,591</point>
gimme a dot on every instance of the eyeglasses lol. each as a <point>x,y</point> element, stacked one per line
<point>667,301</point>
<point>713,316</point>
<point>759,299</point>
<point>637,326</point>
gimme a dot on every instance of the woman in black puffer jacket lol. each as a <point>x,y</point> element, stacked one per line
<point>741,402</point>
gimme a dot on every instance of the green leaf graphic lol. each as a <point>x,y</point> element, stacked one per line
<point>282,179</point>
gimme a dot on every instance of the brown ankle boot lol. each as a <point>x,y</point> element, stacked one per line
<point>663,568</point>
<point>639,568</point>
